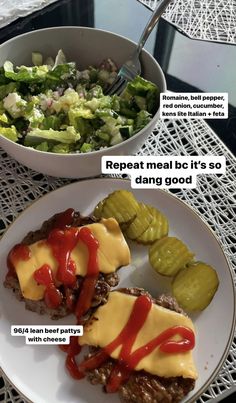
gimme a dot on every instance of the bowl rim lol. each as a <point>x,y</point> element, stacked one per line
<point>114,147</point>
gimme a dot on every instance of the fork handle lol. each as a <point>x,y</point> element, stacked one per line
<point>151,24</point>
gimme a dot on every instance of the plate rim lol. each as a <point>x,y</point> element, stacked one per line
<point>198,216</point>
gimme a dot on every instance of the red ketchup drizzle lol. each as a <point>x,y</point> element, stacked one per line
<point>52,295</point>
<point>17,253</point>
<point>62,240</point>
<point>127,361</point>
<point>22,252</point>
<point>62,243</point>
<point>85,298</point>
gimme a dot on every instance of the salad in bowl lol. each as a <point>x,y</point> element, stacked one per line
<point>55,115</point>
<point>54,107</point>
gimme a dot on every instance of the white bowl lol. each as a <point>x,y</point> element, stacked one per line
<point>85,46</point>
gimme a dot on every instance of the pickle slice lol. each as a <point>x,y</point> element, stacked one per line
<point>121,205</point>
<point>97,212</point>
<point>195,286</point>
<point>168,255</point>
<point>140,223</point>
<point>158,228</point>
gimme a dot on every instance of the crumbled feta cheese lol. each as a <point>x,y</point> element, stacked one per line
<point>10,100</point>
<point>14,104</point>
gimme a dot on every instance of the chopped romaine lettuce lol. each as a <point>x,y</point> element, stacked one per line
<point>34,116</point>
<point>81,112</point>
<point>3,79</point>
<point>61,72</point>
<point>105,102</point>
<point>7,89</point>
<point>67,136</point>
<point>10,133</point>
<point>42,146</point>
<point>61,148</point>
<point>127,108</point>
<point>66,101</point>
<point>140,86</point>
<point>25,74</point>
<point>52,122</point>
<point>86,147</point>
<point>95,92</point>
<point>140,102</point>
<point>104,113</point>
<point>103,136</point>
<point>142,119</point>
<point>4,119</point>
<point>82,125</point>
<point>54,107</point>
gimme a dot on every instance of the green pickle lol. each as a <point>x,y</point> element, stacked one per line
<point>97,212</point>
<point>194,283</point>
<point>158,229</point>
<point>140,223</point>
<point>169,255</point>
<point>195,286</point>
<point>122,205</point>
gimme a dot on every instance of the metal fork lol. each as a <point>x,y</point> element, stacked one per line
<point>132,67</point>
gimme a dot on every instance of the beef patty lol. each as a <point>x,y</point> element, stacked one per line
<point>102,288</point>
<point>143,387</point>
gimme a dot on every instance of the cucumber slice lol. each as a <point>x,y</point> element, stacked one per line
<point>126,131</point>
<point>37,59</point>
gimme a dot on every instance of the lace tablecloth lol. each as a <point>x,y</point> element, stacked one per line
<point>13,9</point>
<point>213,199</point>
<point>210,20</point>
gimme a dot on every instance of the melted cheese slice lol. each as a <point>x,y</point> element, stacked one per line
<point>113,252</point>
<point>109,319</point>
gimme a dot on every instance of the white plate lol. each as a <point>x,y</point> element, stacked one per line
<point>38,371</point>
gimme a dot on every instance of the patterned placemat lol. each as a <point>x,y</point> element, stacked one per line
<point>13,9</point>
<point>213,199</point>
<point>210,20</point>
